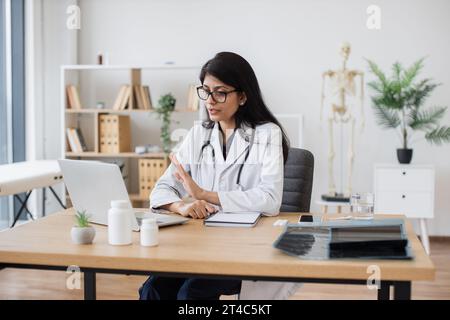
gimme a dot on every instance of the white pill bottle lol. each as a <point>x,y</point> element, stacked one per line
<point>119,223</point>
<point>149,232</point>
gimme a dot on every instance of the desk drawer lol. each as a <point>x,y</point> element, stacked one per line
<point>411,204</point>
<point>398,179</point>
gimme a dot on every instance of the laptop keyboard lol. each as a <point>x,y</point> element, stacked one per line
<point>159,219</point>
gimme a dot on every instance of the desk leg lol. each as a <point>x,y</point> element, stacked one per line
<point>384,291</point>
<point>424,235</point>
<point>402,290</point>
<point>89,285</point>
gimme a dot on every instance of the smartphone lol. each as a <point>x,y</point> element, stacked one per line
<point>306,218</point>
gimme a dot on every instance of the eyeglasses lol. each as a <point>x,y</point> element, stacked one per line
<point>218,96</point>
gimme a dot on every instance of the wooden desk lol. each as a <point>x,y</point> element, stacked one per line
<point>195,250</point>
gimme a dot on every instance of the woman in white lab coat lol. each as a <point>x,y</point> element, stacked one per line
<point>232,162</point>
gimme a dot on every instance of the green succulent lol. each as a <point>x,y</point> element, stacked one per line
<point>82,219</point>
<point>399,103</point>
<point>166,105</point>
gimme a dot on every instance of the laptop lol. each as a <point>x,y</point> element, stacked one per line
<point>92,185</point>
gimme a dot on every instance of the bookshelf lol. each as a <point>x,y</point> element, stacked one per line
<point>114,155</point>
<point>111,111</point>
<point>86,119</point>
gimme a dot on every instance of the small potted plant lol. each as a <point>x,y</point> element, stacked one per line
<point>166,105</point>
<point>399,104</point>
<point>82,232</point>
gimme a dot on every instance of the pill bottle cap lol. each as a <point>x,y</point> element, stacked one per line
<point>120,204</point>
<point>149,221</point>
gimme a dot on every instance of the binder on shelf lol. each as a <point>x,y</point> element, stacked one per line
<point>101,133</point>
<point>115,134</point>
<point>150,170</point>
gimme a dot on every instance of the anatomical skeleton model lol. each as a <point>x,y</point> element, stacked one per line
<point>342,83</point>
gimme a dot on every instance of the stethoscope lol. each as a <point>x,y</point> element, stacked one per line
<point>207,144</point>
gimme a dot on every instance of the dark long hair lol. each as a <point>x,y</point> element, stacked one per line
<point>235,71</point>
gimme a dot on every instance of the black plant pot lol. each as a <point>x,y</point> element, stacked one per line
<point>404,155</point>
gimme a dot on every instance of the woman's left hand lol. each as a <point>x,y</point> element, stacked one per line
<point>189,184</point>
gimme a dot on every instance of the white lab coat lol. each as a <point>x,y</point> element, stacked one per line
<point>260,188</point>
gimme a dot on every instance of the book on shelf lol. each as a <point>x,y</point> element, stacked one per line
<point>120,98</point>
<point>76,140</point>
<point>142,97</point>
<point>126,98</point>
<point>75,145</point>
<point>133,97</point>
<point>81,140</point>
<point>70,101</point>
<point>131,104</point>
<point>73,98</point>
<point>147,98</point>
<point>139,97</point>
<point>70,140</point>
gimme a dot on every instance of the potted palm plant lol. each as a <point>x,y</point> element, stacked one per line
<point>82,232</point>
<point>398,102</point>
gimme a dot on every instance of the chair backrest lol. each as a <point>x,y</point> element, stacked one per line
<point>298,181</point>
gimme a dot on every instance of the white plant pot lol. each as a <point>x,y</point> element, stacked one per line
<point>82,235</point>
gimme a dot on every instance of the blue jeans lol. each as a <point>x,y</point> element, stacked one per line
<point>168,288</point>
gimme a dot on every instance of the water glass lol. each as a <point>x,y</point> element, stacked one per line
<point>362,204</point>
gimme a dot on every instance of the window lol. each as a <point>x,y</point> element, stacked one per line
<point>4,210</point>
<point>12,92</point>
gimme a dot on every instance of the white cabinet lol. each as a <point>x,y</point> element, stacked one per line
<point>408,190</point>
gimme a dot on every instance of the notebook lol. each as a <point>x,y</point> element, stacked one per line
<point>232,219</point>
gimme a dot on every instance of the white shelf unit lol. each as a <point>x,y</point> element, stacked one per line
<point>70,74</point>
<point>406,189</point>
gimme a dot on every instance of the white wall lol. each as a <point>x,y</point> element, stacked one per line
<point>289,44</point>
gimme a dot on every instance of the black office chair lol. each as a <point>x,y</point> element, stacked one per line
<point>298,181</point>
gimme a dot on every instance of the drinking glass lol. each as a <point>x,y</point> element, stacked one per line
<point>362,204</point>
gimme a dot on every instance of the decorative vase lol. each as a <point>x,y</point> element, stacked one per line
<point>404,156</point>
<point>83,235</point>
